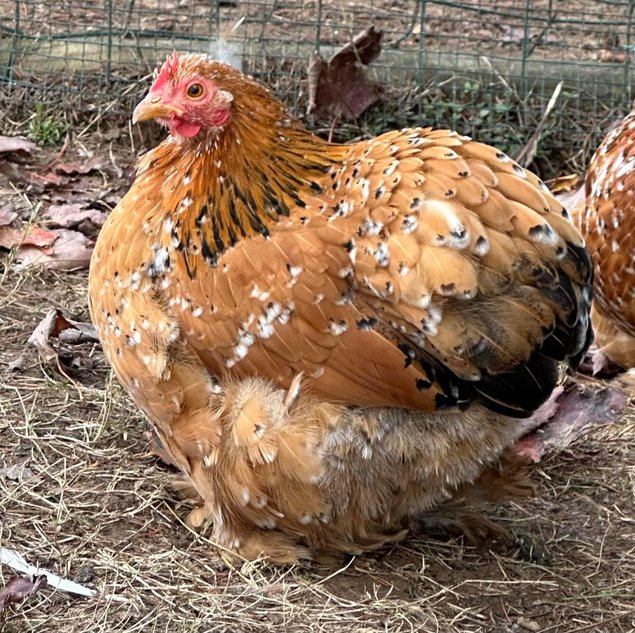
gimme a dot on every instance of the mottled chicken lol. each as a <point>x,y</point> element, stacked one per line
<point>608,224</point>
<point>330,340</point>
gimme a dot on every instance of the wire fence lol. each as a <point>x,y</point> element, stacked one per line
<point>487,68</point>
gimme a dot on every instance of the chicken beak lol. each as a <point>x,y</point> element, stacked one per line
<point>153,108</point>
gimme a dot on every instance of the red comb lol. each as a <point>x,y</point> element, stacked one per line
<point>168,70</point>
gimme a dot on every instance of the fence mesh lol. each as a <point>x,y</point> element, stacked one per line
<point>487,68</point>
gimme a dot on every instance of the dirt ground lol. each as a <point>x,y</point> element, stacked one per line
<point>82,497</point>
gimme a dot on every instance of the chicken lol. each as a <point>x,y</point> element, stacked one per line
<point>607,222</point>
<point>330,340</point>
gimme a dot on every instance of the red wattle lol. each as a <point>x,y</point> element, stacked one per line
<point>183,128</point>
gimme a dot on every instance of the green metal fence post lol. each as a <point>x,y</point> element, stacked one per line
<point>629,52</point>
<point>526,53</point>
<point>109,41</point>
<point>14,44</point>
<point>318,31</point>
<point>422,37</point>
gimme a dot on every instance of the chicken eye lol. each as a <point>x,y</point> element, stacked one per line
<point>195,91</point>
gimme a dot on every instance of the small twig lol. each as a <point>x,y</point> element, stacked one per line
<point>59,154</point>
<point>113,162</point>
<point>131,136</point>
<point>332,128</point>
<point>527,154</point>
<point>409,30</point>
<point>337,572</point>
<point>488,63</point>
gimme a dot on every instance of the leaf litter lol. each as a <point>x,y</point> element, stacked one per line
<point>17,145</point>
<point>74,198</point>
<point>574,409</point>
<point>17,472</point>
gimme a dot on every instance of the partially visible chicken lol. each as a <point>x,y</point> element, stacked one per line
<point>608,224</point>
<point>428,288</point>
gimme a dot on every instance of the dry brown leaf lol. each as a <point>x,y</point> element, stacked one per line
<point>45,329</point>
<point>18,174</point>
<point>112,134</point>
<point>17,364</point>
<point>15,173</point>
<point>33,235</point>
<point>19,588</point>
<point>340,87</point>
<point>75,215</point>
<point>17,472</point>
<point>17,145</point>
<point>56,325</point>
<point>60,249</point>
<point>7,215</point>
<point>43,181</point>
<point>71,251</point>
<point>74,168</point>
<point>76,332</point>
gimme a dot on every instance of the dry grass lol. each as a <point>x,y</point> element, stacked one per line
<point>95,508</point>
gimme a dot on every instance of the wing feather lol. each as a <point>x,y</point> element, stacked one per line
<point>426,279</point>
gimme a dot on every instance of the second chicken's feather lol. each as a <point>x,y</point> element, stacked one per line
<point>608,224</point>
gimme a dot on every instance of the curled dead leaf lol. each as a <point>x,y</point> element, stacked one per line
<point>17,472</point>
<point>7,215</point>
<point>19,588</point>
<point>75,215</point>
<point>56,325</point>
<point>70,251</point>
<point>17,364</point>
<point>61,249</point>
<point>37,182</point>
<point>17,145</point>
<point>31,235</point>
<point>76,168</point>
<point>341,87</point>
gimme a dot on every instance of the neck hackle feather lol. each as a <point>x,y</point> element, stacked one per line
<point>237,181</point>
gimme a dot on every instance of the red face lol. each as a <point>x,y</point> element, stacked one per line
<point>184,103</point>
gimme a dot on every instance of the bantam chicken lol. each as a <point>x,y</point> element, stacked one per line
<point>330,340</point>
<point>608,224</point>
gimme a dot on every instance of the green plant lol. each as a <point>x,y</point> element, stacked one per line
<point>46,129</point>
